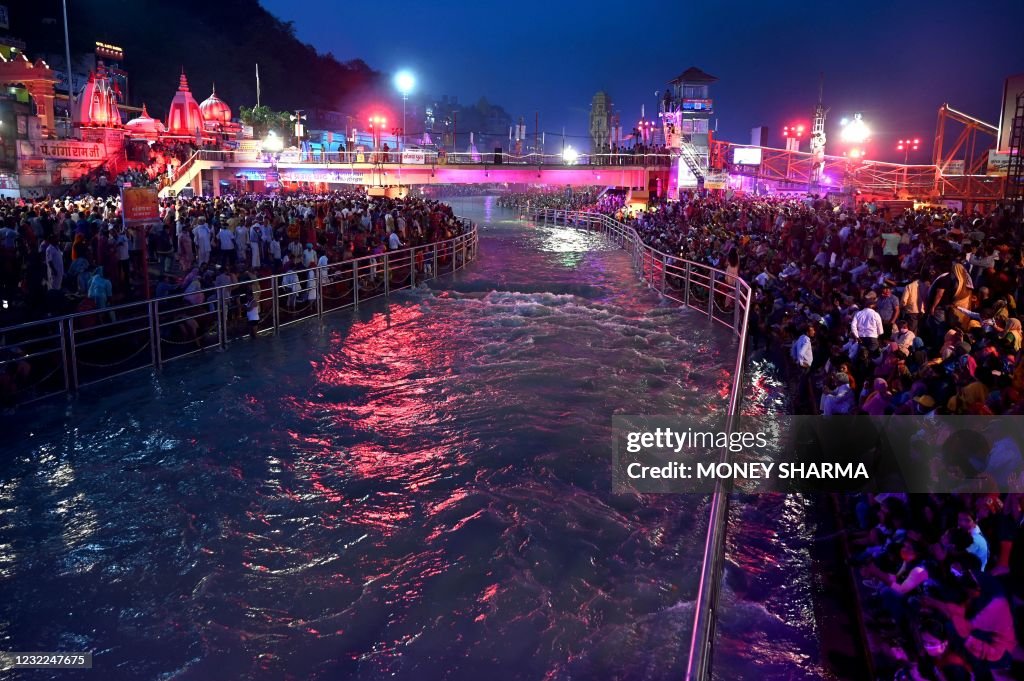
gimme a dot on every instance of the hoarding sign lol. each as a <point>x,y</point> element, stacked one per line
<point>998,163</point>
<point>71,150</point>
<point>414,156</point>
<point>746,156</point>
<point>140,205</point>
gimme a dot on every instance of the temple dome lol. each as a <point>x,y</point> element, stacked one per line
<point>214,109</point>
<point>97,103</point>
<point>145,125</point>
<point>184,116</point>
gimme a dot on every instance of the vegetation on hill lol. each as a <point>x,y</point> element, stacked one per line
<point>215,42</point>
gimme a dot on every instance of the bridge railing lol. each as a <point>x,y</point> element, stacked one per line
<point>726,300</point>
<point>62,354</point>
<point>416,157</point>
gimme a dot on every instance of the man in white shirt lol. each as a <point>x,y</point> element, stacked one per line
<point>904,337</point>
<point>227,245</point>
<point>866,326</point>
<point>802,353</point>
<point>202,235</point>
<point>394,243</point>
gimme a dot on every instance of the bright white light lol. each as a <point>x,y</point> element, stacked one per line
<point>855,131</point>
<point>844,121</point>
<point>405,82</point>
<point>272,142</point>
<point>570,156</point>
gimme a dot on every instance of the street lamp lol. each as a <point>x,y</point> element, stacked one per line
<point>273,143</point>
<point>855,131</point>
<point>905,146</point>
<point>404,81</point>
<point>377,123</point>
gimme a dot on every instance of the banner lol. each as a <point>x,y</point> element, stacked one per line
<point>328,176</point>
<point>140,206</point>
<point>998,163</point>
<point>716,181</point>
<point>955,168</point>
<point>414,156</point>
<point>72,150</point>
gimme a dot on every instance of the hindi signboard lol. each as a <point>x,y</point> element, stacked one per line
<point>66,150</point>
<point>955,167</point>
<point>716,181</point>
<point>998,163</point>
<point>140,206</point>
<point>414,156</point>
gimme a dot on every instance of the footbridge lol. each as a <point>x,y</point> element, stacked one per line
<point>207,171</point>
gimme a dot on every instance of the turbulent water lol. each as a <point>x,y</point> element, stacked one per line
<point>417,490</point>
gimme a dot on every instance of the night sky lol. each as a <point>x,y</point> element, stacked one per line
<point>895,61</point>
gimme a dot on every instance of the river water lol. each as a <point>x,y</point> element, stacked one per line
<point>417,490</point>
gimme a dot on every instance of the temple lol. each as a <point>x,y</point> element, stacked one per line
<point>184,116</point>
<point>95,138</point>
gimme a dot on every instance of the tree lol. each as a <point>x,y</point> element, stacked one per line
<point>263,119</point>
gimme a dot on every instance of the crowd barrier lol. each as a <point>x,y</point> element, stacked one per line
<point>67,353</point>
<point>726,301</point>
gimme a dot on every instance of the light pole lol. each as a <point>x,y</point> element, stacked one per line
<point>405,82</point>
<point>905,146</point>
<point>377,123</point>
<point>273,144</point>
<point>67,55</point>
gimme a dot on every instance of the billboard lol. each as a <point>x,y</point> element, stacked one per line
<point>140,205</point>
<point>746,156</point>
<point>414,156</point>
<point>998,163</point>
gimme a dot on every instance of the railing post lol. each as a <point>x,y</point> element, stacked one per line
<point>355,282</point>
<point>73,355</point>
<point>412,268</point>
<point>686,286</point>
<point>319,292</point>
<point>436,273</point>
<point>154,332</point>
<point>387,276</point>
<point>222,319</point>
<point>64,355</point>
<point>736,306</point>
<point>154,318</point>
<point>275,303</point>
<point>664,274</point>
<point>711,294</point>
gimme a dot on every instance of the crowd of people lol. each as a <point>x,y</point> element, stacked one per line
<point>60,256</point>
<point>873,312</point>
<point>570,198</point>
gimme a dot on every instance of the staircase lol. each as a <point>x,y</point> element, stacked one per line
<point>1015,167</point>
<point>183,176</point>
<point>693,160</point>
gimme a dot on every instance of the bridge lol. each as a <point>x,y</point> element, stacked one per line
<point>777,170</point>
<point>397,169</point>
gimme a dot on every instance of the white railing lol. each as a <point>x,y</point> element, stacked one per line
<point>726,300</point>
<point>411,158</point>
<point>63,354</point>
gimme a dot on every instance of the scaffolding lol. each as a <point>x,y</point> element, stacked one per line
<point>1015,166</point>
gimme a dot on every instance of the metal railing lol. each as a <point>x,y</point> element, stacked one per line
<point>424,157</point>
<point>725,299</point>
<point>62,354</point>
